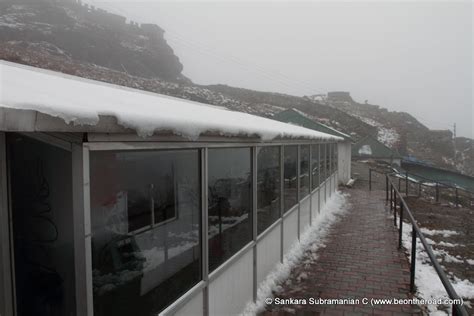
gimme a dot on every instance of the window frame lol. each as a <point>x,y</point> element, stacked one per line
<point>86,257</point>
<point>280,155</point>
<point>107,143</point>
<point>252,213</point>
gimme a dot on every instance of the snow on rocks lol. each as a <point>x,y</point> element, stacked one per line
<point>311,240</point>
<point>388,136</point>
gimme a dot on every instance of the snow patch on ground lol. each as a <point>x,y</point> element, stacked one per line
<point>444,232</point>
<point>312,239</point>
<point>369,121</point>
<point>428,284</point>
<point>388,136</point>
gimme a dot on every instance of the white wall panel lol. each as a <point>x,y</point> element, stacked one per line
<point>328,188</point>
<point>315,204</point>
<point>231,290</point>
<point>268,252</point>
<point>304,214</point>
<point>193,307</point>
<point>290,230</point>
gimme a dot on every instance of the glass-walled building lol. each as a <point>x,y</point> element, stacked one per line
<point>119,202</point>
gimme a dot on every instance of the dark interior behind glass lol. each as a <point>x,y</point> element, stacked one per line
<point>304,171</point>
<point>315,165</point>
<point>230,202</point>
<point>290,176</point>
<point>43,243</point>
<point>146,226</point>
<point>268,186</point>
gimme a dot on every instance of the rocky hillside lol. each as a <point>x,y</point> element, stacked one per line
<point>69,37</point>
<point>85,33</point>
<point>403,132</point>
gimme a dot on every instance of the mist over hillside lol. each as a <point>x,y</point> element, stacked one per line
<point>71,37</point>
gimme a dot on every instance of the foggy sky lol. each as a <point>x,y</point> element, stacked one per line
<point>405,56</point>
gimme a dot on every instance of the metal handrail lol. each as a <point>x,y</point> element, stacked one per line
<point>420,183</point>
<point>458,309</point>
<point>434,181</point>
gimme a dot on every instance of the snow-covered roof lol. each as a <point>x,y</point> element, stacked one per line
<point>81,104</point>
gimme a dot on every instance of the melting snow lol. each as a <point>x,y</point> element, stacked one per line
<point>312,239</point>
<point>445,233</point>
<point>426,279</point>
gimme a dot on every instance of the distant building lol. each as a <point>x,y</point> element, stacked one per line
<point>370,148</point>
<point>300,118</point>
<point>340,97</point>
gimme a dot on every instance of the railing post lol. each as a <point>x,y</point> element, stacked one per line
<point>399,183</point>
<point>386,188</point>
<point>457,196</point>
<point>406,183</point>
<point>395,209</point>
<point>437,192</point>
<point>400,236</point>
<point>391,196</point>
<point>370,179</point>
<point>413,259</point>
<point>419,189</point>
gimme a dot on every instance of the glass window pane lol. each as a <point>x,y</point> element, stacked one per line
<point>268,186</point>
<point>322,161</point>
<point>315,165</point>
<point>304,171</point>
<point>328,160</point>
<point>290,176</point>
<point>40,197</point>
<point>146,224</point>
<point>230,202</point>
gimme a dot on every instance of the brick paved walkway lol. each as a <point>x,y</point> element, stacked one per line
<point>360,260</point>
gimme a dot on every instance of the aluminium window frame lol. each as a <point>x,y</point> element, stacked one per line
<point>103,143</point>
<point>6,263</point>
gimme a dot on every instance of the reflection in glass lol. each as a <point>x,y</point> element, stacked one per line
<point>230,202</point>
<point>290,176</point>
<point>315,165</point>
<point>328,160</point>
<point>322,162</point>
<point>304,171</point>
<point>145,214</point>
<point>268,186</point>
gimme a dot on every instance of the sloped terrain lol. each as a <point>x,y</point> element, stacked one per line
<point>401,131</point>
<point>70,37</point>
<point>87,34</point>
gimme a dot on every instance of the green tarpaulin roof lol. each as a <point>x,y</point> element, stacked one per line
<point>297,117</point>
<point>369,147</point>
